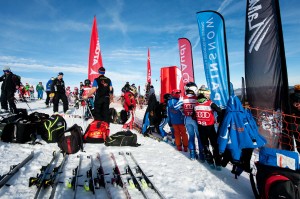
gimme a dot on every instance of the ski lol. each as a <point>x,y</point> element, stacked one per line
<point>100,180</point>
<point>148,181</point>
<point>14,169</point>
<point>138,182</point>
<point>54,179</point>
<point>73,183</point>
<point>39,181</point>
<point>118,177</point>
<point>89,184</point>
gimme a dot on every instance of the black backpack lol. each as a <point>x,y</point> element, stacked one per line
<point>70,141</point>
<point>20,131</point>
<point>38,119</point>
<point>53,128</point>
<point>122,138</point>
<point>113,115</point>
<point>123,117</point>
<point>275,182</point>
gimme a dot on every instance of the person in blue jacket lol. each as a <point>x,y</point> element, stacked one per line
<point>48,91</point>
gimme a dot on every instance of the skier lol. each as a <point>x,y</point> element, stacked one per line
<point>10,83</point>
<point>59,91</point>
<point>126,87</point>
<point>204,110</point>
<point>164,118</point>
<point>89,103</point>
<point>187,104</point>
<point>129,106</point>
<point>40,90</point>
<point>31,91</point>
<point>177,121</point>
<point>48,91</point>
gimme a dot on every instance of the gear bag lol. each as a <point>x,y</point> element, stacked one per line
<point>113,115</point>
<point>20,131</point>
<point>96,132</point>
<point>275,182</point>
<point>70,141</point>
<point>38,119</point>
<point>53,128</point>
<point>122,138</point>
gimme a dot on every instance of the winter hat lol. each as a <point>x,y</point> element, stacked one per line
<point>60,73</point>
<point>6,69</point>
<point>101,70</point>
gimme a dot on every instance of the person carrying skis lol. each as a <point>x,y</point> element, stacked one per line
<point>188,104</point>
<point>10,83</point>
<point>48,91</point>
<point>177,121</point>
<point>129,106</point>
<point>40,90</point>
<point>204,110</point>
<point>59,91</point>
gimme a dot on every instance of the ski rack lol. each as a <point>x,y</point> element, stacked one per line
<point>39,181</point>
<point>149,182</point>
<point>90,184</point>
<point>135,180</point>
<point>118,177</point>
<point>54,179</point>
<point>14,169</point>
<point>101,177</point>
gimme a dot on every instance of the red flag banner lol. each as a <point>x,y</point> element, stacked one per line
<point>148,68</point>
<point>186,62</point>
<point>169,80</point>
<point>95,58</point>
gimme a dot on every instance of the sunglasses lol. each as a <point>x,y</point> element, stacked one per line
<point>6,71</point>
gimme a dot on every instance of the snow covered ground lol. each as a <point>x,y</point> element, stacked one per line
<point>176,176</point>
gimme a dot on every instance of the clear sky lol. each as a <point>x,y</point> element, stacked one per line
<point>39,38</point>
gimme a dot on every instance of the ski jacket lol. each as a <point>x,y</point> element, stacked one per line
<point>103,85</point>
<point>187,104</point>
<point>85,91</point>
<point>175,115</point>
<point>48,85</point>
<point>204,113</point>
<point>58,86</point>
<point>9,82</point>
<point>39,87</point>
<point>129,101</point>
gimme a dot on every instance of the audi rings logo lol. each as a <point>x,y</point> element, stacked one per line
<point>203,115</point>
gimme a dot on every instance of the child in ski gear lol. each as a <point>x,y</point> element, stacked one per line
<point>40,90</point>
<point>59,91</point>
<point>10,83</point>
<point>165,119</point>
<point>89,103</point>
<point>126,87</point>
<point>69,93</point>
<point>177,121</point>
<point>31,91</point>
<point>188,104</point>
<point>129,106</point>
<point>48,91</point>
<point>102,86</point>
<point>204,111</point>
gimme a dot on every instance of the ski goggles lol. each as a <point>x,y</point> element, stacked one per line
<point>6,71</point>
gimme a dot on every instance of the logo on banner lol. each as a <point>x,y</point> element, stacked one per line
<point>97,53</point>
<point>260,28</point>
<point>93,72</point>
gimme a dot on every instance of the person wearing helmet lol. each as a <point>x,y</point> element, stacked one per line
<point>40,90</point>
<point>89,103</point>
<point>10,83</point>
<point>295,110</point>
<point>48,91</point>
<point>59,91</point>
<point>102,86</point>
<point>125,87</point>
<point>204,111</point>
<point>177,121</point>
<point>129,106</point>
<point>187,105</point>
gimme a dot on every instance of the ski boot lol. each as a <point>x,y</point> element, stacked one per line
<point>165,139</point>
<point>185,149</point>
<point>193,154</point>
<point>201,156</point>
<point>209,158</point>
<point>179,148</point>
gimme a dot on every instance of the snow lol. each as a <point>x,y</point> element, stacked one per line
<point>176,176</point>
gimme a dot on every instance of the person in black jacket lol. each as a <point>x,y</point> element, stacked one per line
<point>59,91</point>
<point>10,83</point>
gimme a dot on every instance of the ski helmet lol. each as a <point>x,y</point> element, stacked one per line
<point>191,88</point>
<point>205,93</point>
<point>132,90</point>
<point>176,93</point>
<point>87,82</point>
<point>167,97</point>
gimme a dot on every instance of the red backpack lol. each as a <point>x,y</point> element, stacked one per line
<point>96,132</point>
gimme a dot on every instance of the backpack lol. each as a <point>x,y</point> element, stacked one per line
<point>275,182</point>
<point>96,132</point>
<point>113,115</point>
<point>123,117</point>
<point>122,138</point>
<point>53,128</point>
<point>20,131</point>
<point>38,119</point>
<point>70,141</point>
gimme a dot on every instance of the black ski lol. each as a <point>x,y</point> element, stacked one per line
<point>74,180</point>
<point>89,184</point>
<point>148,181</point>
<point>136,181</point>
<point>39,181</point>
<point>13,170</point>
<point>100,180</point>
<point>118,177</point>
<point>54,179</point>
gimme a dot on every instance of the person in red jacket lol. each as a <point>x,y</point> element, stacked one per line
<point>129,106</point>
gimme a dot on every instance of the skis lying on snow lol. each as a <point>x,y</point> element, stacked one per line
<point>138,182</point>
<point>100,180</point>
<point>41,178</point>
<point>14,169</point>
<point>118,179</point>
<point>73,183</point>
<point>145,177</point>
<point>89,184</point>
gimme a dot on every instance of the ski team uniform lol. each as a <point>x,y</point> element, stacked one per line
<point>129,106</point>
<point>205,118</point>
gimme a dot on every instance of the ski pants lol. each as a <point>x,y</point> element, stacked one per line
<point>47,98</point>
<point>9,96</point>
<point>101,109</point>
<point>181,137</point>
<point>40,94</point>
<point>162,124</point>
<point>192,129</point>
<point>63,98</point>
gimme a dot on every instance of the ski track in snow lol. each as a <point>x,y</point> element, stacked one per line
<point>171,171</point>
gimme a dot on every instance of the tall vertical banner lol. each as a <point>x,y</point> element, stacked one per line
<point>95,58</point>
<point>170,78</point>
<point>214,53</point>
<point>148,68</point>
<point>265,66</point>
<point>186,62</point>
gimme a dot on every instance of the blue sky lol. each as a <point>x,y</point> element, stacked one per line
<point>39,38</point>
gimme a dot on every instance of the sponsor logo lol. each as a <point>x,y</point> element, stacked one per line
<point>93,72</point>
